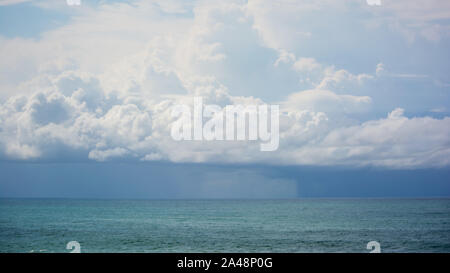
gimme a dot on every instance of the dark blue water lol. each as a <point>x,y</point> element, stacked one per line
<point>312,225</point>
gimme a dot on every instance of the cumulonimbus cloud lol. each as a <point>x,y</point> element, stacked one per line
<point>115,104</point>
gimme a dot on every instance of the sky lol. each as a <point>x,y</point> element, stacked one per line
<point>86,93</point>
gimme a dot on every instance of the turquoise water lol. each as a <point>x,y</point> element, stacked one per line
<point>312,225</point>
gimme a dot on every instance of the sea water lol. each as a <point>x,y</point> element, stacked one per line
<point>301,225</point>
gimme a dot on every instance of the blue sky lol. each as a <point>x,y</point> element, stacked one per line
<point>86,91</point>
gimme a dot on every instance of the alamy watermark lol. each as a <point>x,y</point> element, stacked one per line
<point>73,2</point>
<point>74,246</point>
<point>374,246</point>
<point>229,123</point>
<point>373,2</point>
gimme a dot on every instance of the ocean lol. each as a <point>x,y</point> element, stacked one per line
<point>300,225</point>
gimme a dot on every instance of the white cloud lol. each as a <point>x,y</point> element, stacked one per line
<point>396,142</point>
<point>306,64</point>
<point>426,19</point>
<point>335,78</point>
<point>102,155</point>
<point>102,87</point>
<point>321,100</point>
<point>12,2</point>
<point>313,129</point>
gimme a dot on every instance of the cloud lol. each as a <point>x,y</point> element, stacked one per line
<point>12,2</point>
<point>101,88</point>
<point>335,78</point>
<point>306,64</point>
<point>326,101</point>
<point>414,18</point>
<point>107,154</point>
<point>396,141</point>
<point>313,130</point>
